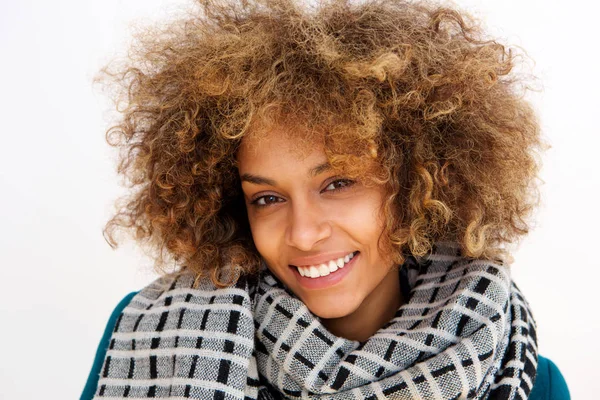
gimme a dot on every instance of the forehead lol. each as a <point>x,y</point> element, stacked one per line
<point>283,148</point>
<point>293,143</point>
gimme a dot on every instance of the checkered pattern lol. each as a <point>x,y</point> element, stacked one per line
<point>173,341</point>
<point>465,332</point>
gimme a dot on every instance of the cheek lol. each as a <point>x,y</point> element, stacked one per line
<point>364,222</point>
<point>360,217</point>
<point>265,235</point>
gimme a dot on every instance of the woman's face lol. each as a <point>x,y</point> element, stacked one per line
<point>306,220</point>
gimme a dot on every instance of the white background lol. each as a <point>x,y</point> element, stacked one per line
<point>60,280</point>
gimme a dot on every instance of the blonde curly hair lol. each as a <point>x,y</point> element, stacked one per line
<point>414,86</point>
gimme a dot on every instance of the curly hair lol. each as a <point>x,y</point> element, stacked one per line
<point>414,86</point>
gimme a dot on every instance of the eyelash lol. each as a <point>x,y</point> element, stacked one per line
<point>347,184</point>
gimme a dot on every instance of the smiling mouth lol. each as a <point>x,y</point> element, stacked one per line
<point>324,269</point>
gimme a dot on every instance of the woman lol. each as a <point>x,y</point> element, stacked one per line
<point>337,185</point>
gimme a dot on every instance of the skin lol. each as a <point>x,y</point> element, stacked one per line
<point>296,211</point>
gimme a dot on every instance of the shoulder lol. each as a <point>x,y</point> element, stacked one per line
<point>92,381</point>
<point>549,382</point>
<point>167,305</point>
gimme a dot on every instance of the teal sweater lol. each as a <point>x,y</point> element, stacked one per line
<point>549,382</point>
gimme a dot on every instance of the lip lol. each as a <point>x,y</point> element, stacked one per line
<point>318,259</point>
<point>328,280</point>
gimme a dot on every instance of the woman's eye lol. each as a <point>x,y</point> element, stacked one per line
<point>339,184</point>
<point>270,199</point>
<point>265,200</point>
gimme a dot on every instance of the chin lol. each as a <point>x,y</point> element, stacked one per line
<point>331,309</point>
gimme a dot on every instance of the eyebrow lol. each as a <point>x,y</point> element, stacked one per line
<point>261,180</point>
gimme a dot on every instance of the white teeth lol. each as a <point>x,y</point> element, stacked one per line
<point>316,271</point>
<point>323,270</point>
<point>332,266</point>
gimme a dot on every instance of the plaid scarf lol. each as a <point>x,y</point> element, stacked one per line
<point>465,332</point>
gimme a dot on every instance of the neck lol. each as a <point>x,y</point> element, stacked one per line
<point>377,309</point>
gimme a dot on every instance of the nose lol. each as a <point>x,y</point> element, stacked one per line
<point>307,227</point>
